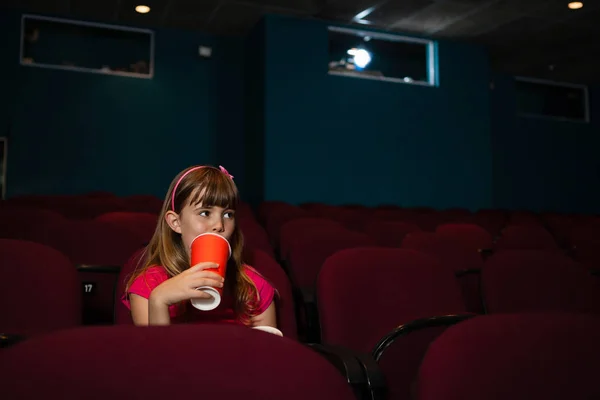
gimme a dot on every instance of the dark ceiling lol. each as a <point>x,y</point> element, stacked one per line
<point>541,38</point>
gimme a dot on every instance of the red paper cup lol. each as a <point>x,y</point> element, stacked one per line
<point>210,247</point>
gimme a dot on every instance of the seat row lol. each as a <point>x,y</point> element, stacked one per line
<point>520,357</point>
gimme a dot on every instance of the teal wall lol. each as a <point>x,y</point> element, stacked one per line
<point>72,132</point>
<point>344,140</point>
<point>265,108</point>
<point>543,164</point>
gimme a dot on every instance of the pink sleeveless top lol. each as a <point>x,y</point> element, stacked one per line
<point>184,312</point>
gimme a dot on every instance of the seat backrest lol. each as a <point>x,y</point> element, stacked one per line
<point>426,220</point>
<point>302,228</point>
<point>533,280</point>
<point>463,260</point>
<point>468,235</point>
<point>518,357</point>
<point>524,218</point>
<point>143,203</point>
<point>453,255</point>
<point>389,233</point>
<point>266,208</point>
<point>211,361</point>
<point>586,252</point>
<point>89,241</point>
<point>307,255</point>
<point>18,222</point>
<point>245,209</point>
<point>364,293</point>
<point>491,220</point>
<point>560,226</point>
<point>279,216</point>
<point>39,289</point>
<point>351,217</point>
<point>254,235</point>
<point>82,208</point>
<point>583,233</point>
<point>140,224</point>
<point>526,238</point>
<point>93,243</point>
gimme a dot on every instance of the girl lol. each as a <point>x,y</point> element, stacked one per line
<point>200,199</point>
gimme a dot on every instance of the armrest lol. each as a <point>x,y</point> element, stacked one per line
<point>360,370</point>
<point>7,339</point>
<point>308,295</point>
<point>403,330</point>
<point>308,301</point>
<point>103,269</point>
<point>375,377</point>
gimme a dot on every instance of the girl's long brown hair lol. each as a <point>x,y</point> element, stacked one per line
<point>211,187</point>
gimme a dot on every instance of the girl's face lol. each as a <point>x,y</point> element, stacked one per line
<point>194,220</point>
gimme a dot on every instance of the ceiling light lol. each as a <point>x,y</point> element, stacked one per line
<point>575,5</point>
<point>364,13</point>
<point>142,9</point>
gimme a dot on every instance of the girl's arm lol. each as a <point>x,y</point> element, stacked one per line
<point>158,312</point>
<point>146,312</point>
<point>267,318</point>
<point>155,309</point>
<point>139,309</point>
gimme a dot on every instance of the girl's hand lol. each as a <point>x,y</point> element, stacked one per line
<point>183,286</point>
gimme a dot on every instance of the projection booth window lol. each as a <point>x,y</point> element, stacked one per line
<point>86,47</point>
<point>381,56</point>
<point>551,100</point>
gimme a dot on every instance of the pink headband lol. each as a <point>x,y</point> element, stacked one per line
<point>223,170</point>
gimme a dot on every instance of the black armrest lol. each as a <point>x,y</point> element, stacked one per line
<point>362,372</point>
<point>403,330</point>
<point>308,301</point>
<point>375,377</point>
<point>308,295</point>
<point>468,271</point>
<point>104,269</point>
<point>7,339</point>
